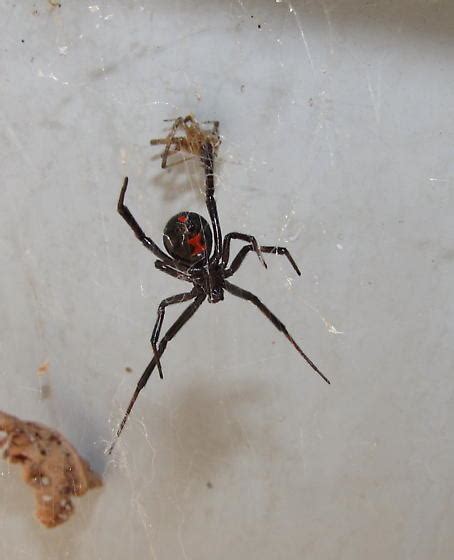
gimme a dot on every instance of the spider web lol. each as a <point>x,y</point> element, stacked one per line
<point>241,452</point>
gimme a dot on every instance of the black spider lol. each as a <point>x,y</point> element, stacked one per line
<point>200,256</point>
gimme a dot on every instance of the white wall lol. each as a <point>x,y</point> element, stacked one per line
<point>337,125</point>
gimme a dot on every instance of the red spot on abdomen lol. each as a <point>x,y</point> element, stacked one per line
<point>182,219</point>
<point>196,244</point>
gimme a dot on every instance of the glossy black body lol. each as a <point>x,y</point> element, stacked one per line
<point>188,238</point>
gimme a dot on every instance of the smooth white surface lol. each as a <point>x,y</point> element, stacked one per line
<point>337,122</point>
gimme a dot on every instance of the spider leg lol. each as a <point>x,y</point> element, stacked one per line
<point>163,267</point>
<point>238,260</point>
<point>243,237</point>
<point>179,298</point>
<point>131,221</point>
<point>243,294</point>
<point>207,157</point>
<point>173,330</point>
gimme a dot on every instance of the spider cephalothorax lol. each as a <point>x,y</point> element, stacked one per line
<point>198,253</point>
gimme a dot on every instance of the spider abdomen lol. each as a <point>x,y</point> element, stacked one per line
<point>187,237</point>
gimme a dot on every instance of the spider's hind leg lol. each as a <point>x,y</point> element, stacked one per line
<point>179,298</point>
<point>244,294</point>
<point>173,330</point>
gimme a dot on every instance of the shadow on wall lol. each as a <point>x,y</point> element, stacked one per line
<point>202,433</point>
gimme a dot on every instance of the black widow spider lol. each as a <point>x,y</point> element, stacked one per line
<point>200,256</point>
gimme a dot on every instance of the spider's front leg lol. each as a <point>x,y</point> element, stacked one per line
<point>139,233</point>
<point>207,158</point>
<point>243,237</point>
<point>179,298</point>
<point>238,260</point>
